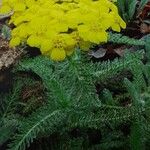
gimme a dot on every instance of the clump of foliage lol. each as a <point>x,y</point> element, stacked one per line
<point>128,8</point>
<point>73,110</point>
<point>60,26</point>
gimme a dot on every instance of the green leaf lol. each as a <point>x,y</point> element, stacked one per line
<point>121,6</point>
<point>136,137</point>
<point>142,4</point>
<point>38,122</point>
<point>6,32</point>
<point>132,8</point>
<point>7,130</point>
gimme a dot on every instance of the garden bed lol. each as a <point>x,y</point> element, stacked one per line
<point>65,84</point>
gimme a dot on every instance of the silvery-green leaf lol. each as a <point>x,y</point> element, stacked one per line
<point>6,32</point>
<point>99,53</point>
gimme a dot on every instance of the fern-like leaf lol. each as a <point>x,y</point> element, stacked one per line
<point>31,127</point>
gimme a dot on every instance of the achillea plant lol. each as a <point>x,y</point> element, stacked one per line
<point>57,27</point>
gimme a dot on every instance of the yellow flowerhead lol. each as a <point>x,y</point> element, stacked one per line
<point>57,27</point>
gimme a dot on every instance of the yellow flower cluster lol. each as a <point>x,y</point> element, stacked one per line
<point>58,26</point>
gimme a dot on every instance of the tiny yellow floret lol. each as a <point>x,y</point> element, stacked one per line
<point>58,54</point>
<point>14,42</point>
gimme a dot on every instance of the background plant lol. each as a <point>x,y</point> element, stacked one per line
<point>128,8</point>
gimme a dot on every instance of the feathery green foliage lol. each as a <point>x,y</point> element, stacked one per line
<point>75,108</point>
<point>121,39</point>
